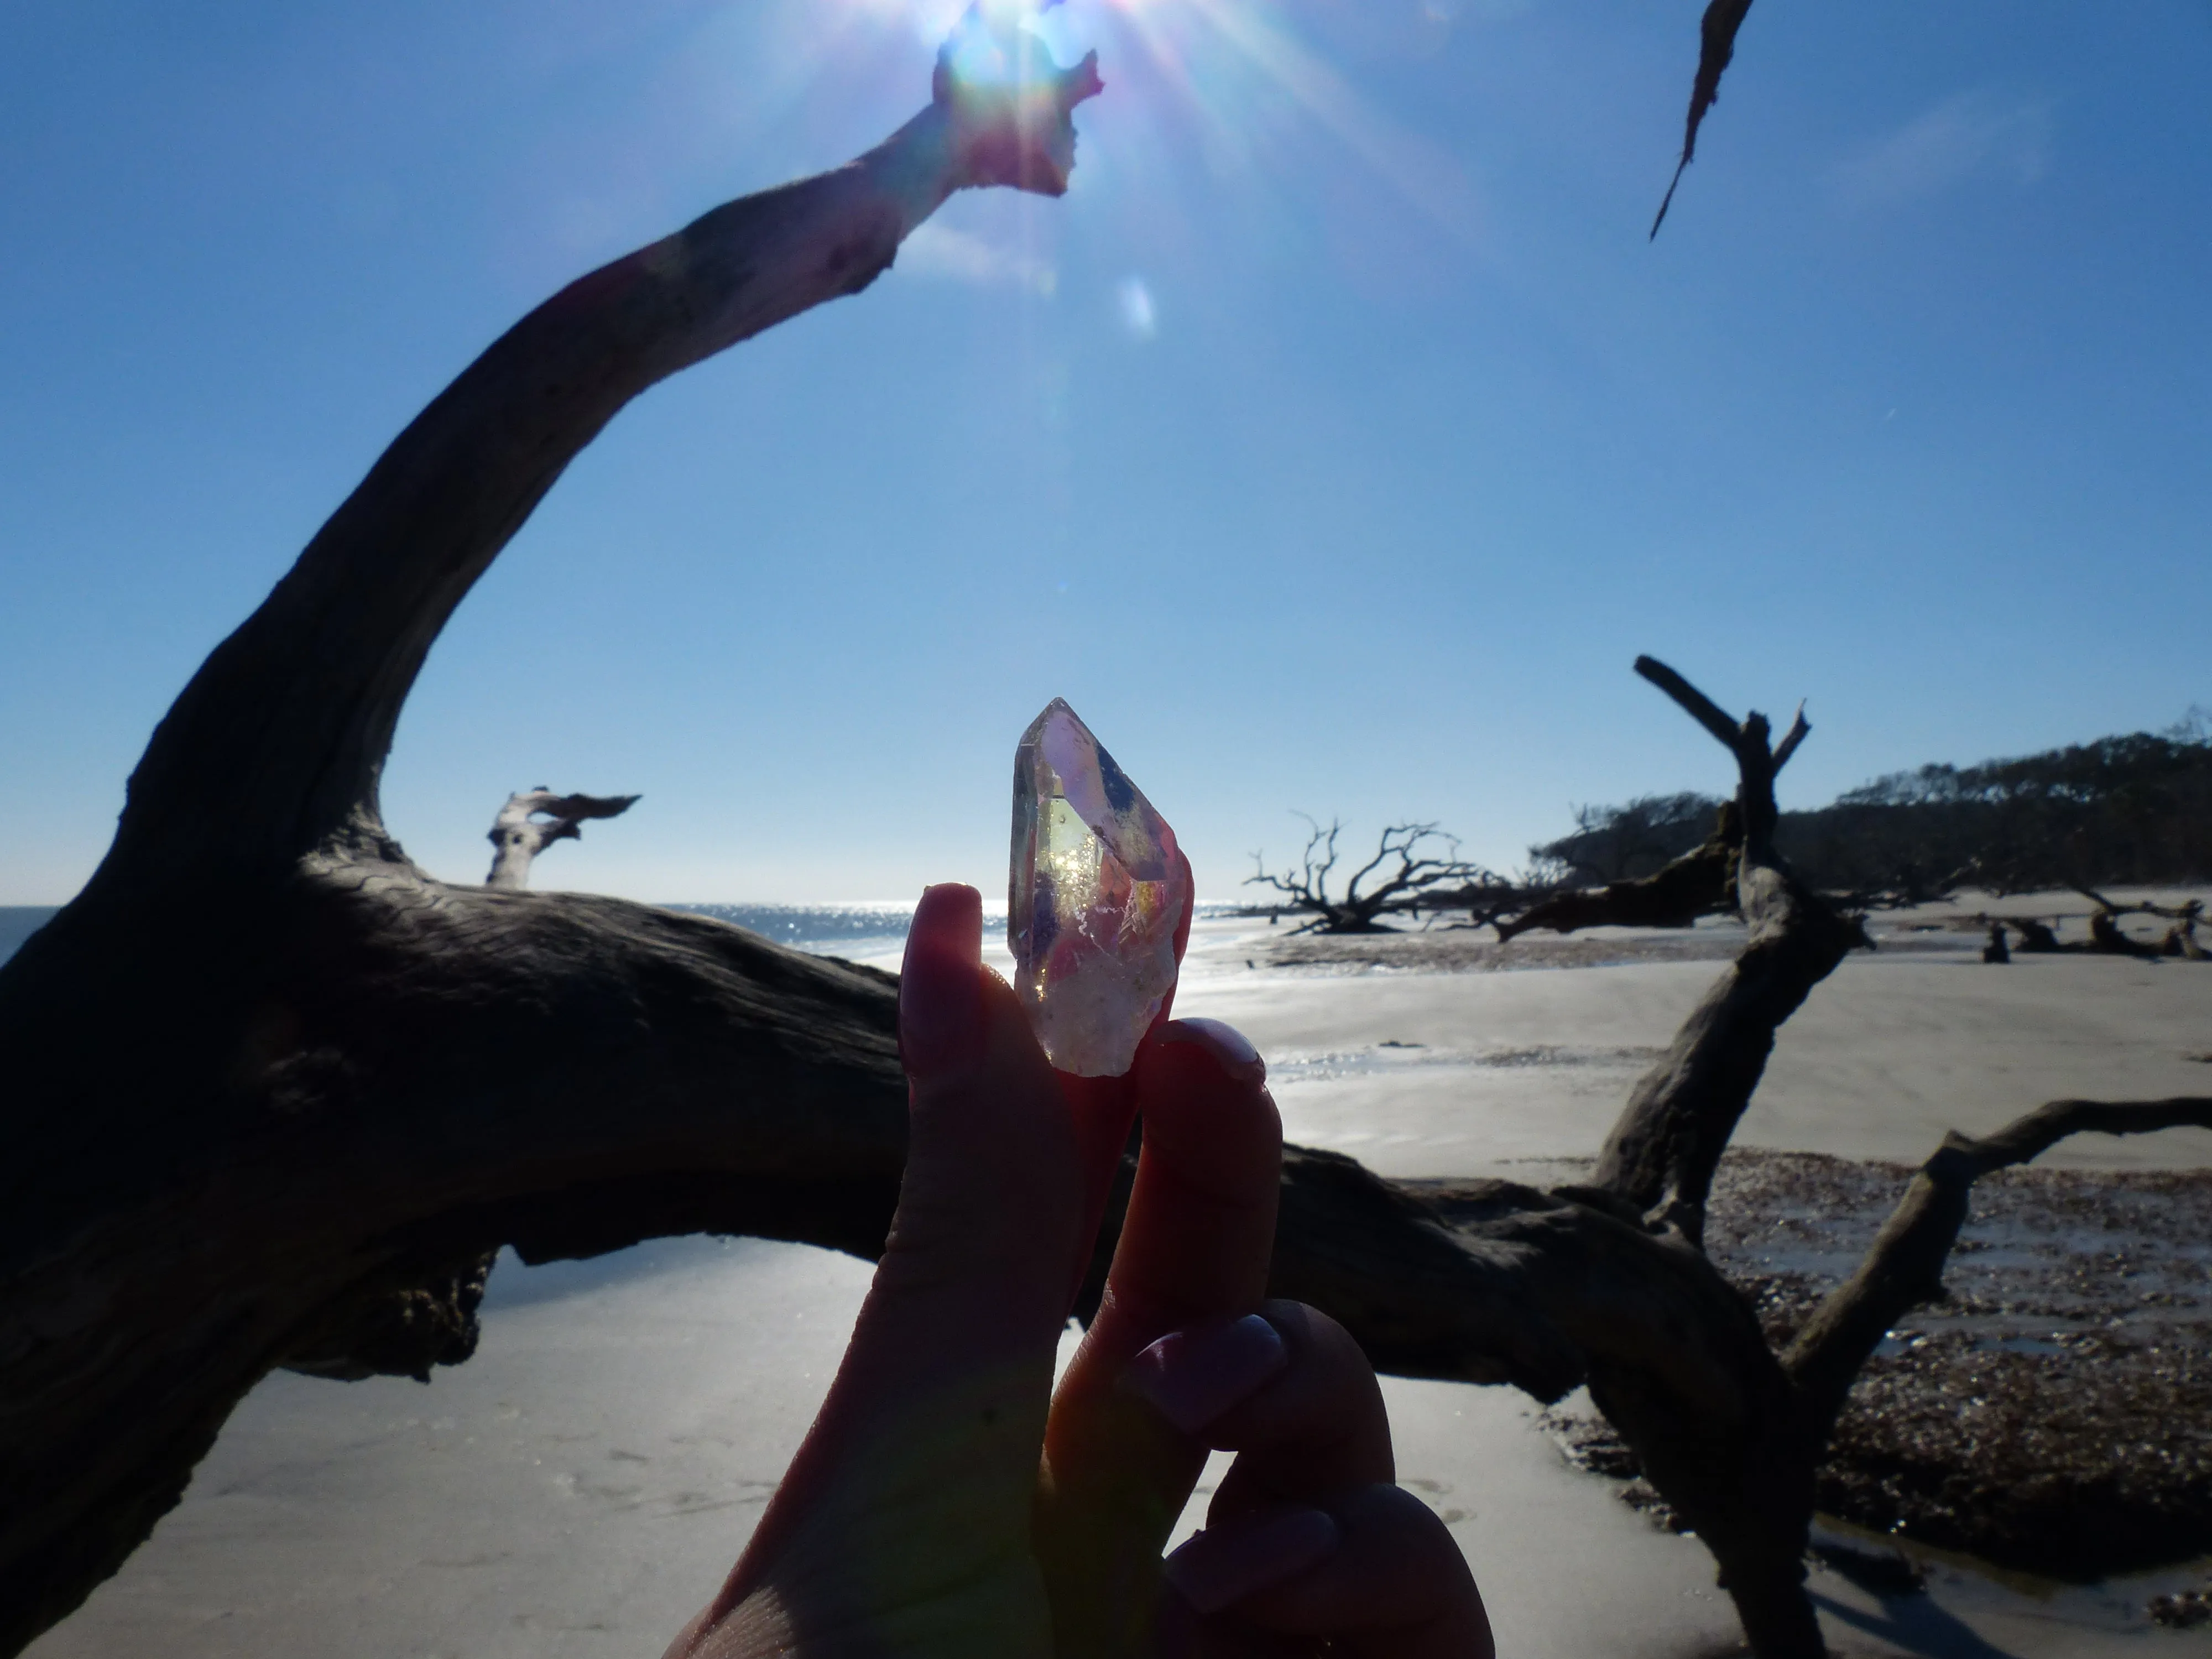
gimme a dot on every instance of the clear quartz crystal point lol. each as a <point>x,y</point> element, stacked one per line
<point>1098,889</point>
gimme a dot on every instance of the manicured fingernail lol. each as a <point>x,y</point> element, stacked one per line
<point>1222,1565</point>
<point>1190,1377</point>
<point>940,1005</point>
<point>1225,1043</point>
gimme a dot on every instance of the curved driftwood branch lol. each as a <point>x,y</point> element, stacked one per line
<point>398,1078</point>
<point>276,746</point>
<point>1904,1266</point>
<point>274,1093</point>
<point>533,820</point>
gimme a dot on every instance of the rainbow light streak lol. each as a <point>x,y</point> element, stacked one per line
<point>1245,36</point>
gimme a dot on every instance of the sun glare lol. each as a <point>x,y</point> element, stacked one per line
<point>1237,76</point>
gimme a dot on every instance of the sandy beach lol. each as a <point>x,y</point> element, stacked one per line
<point>579,1487</point>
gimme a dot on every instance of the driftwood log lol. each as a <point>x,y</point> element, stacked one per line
<point>533,820</point>
<point>273,1094</point>
<point>1700,883</point>
<point>2106,937</point>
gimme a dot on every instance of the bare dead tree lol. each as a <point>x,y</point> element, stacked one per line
<point>1608,1284</point>
<point>533,820</point>
<point>275,1094</point>
<point>1418,878</point>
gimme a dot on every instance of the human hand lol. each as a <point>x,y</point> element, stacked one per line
<point>949,1505</point>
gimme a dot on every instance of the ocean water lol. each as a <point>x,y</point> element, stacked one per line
<point>856,930</point>
<point>18,922</point>
<point>832,930</point>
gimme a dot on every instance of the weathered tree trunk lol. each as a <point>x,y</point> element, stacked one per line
<point>1663,1152</point>
<point>533,820</point>
<point>273,1094</point>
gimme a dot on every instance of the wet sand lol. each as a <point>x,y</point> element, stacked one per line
<point>578,1489</point>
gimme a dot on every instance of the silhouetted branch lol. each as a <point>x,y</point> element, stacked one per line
<point>1699,883</point>
<point>1905,1267</point>
<point>1716,50</point>
<point>1800,729</point>
<point>1418,875</point>
<point>1700,708</point>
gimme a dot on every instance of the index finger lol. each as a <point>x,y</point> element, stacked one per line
<point>1194,1249</point>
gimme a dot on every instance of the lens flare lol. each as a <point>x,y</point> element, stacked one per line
<point>1138,315</point>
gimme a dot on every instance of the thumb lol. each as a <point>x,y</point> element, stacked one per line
<point>927,1446</point>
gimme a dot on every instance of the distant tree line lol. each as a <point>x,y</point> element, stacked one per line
<point>2117,811</point>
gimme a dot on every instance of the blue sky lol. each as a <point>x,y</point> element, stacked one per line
<point>1335,444</point>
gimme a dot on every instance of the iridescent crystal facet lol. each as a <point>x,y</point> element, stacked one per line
<point>1097,890</point>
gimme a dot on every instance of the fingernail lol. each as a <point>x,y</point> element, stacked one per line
<point>1222,1565</point>
<point>1190,1377</point>
<point>1235,1056</point>
<point>940,1005</point>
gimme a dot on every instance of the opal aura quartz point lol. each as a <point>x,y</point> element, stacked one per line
<point>1097,890</point>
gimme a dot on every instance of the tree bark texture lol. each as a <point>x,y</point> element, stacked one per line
<point>1663,1152</point>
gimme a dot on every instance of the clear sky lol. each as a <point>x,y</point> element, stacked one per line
<point>1335,444</point>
